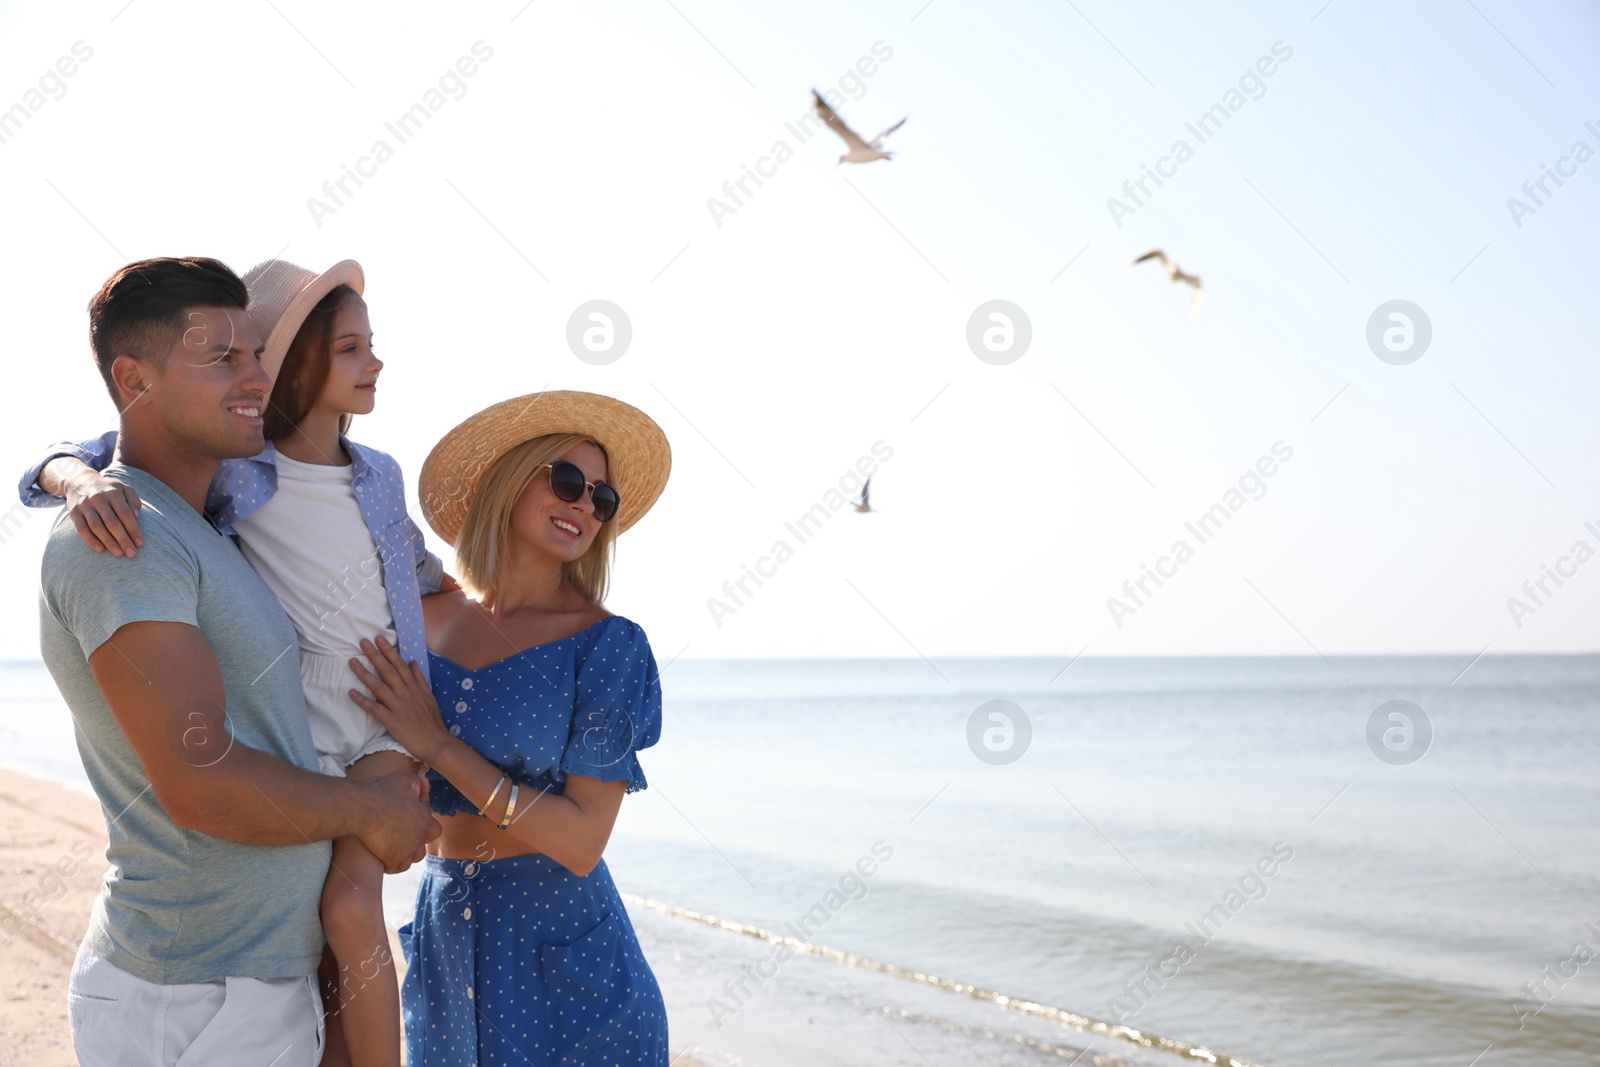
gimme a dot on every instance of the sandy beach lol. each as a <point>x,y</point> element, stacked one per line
<point>52,846</point>
<point>52,841</point>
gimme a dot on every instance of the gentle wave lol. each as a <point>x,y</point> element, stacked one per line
<point>1061,1016</point>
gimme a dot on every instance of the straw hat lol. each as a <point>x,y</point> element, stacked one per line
<point>283,294</point>
<point>638,456</point>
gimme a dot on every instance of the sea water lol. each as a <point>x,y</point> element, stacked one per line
<point>1173,860</point>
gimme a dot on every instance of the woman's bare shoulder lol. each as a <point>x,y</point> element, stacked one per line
<point>438,609</point>
<point>593,614</point>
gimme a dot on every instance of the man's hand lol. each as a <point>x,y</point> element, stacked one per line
<point>103,510</point>
<point>163,686</point>
<point>402,822</point>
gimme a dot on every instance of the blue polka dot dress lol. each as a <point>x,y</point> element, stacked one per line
<point>518,960</point>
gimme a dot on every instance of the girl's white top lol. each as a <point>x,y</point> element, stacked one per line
<point>312,547</point>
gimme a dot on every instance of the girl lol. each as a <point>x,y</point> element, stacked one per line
<point>521,950</point>
<point>323,520</point>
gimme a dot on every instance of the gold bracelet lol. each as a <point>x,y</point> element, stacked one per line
<point>485,809</point>
<point>511,806</point>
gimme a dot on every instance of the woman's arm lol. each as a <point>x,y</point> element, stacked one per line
<point>572,828</point>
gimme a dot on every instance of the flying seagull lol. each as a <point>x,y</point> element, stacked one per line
<point>863,504</point>
<point>1174,275</point>
<point>860,151</point>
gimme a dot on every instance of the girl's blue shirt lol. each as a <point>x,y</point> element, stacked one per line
<point>242,486</point>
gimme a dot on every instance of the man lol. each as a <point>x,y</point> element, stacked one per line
<point>182,675</point>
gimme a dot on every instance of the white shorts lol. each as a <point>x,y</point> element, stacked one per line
<point>119,1020</point>
<point>341,729</point>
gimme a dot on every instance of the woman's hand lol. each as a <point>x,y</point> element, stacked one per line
<point>404,705</point>
<point>104,511</point>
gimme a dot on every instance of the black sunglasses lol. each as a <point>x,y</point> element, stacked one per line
<point>568,483</point>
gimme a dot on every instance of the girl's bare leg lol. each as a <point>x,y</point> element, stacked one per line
<point>367,991</point>
<point>334,1053</point>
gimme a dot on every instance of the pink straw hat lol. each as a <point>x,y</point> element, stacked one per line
<point>282,294</point>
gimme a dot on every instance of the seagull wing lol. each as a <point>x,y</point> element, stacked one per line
<point>877,142</point>
<point>866,488</point>
<point>1194,301</point>
<point>834,122</point>
<point>1154,253</point>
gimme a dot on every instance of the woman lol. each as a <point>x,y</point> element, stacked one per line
<point>521,950</point>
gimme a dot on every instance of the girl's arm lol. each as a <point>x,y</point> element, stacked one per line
<point>104,510</point>
<point>572,828</point>
<point>101,509</point>
<point>96,453</point>
<point>431,575</point>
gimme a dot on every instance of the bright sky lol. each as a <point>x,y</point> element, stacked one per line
<point>829,310</point>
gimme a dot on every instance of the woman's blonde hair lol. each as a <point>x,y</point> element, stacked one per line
<point>481,544</point>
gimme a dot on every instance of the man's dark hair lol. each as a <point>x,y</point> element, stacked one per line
<point>139,311</point>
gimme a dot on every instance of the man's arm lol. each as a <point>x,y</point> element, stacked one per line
<point>163,685</point>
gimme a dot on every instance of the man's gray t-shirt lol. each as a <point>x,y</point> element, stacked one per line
<point>180,906</point>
